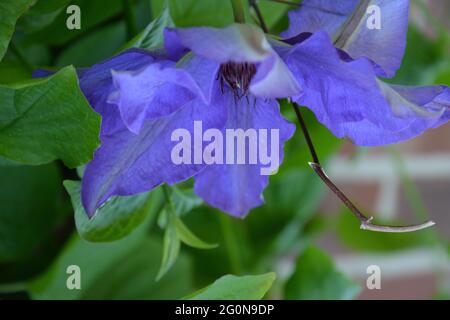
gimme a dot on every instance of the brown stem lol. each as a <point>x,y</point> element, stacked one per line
<point>366,222</point>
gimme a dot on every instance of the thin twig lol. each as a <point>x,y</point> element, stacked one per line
<point>262,23</point>
<point>366,222</point>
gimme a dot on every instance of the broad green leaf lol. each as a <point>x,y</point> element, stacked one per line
<point>10,11</point>
<point>124,269</point>
<point>30,209</point>
<point>171,248</point>
<point>348,230</point>
<point>231,287</point>
<point>190,239</point>
<point>315,277</point>
<point>153,35</point>
<point>47,119</point>
<point>114,220</point>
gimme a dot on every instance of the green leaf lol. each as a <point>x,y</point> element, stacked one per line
<point>93,14</point>
<point>185,13</point>
<point>47,119</point>
<point>101,44</point>
<point>231,287</point>
<point>10,11</point>
<point>171,248</point>
<point>315,277</point>
<point>184,200</point>
<point>190,239</point>
<point>216,13</point>
<point>12,71</point>
<point>30,209</point>
<point>116,219</point>
<point>43,13</point>
<point>348,230</point>
<point>274,12</point>
<point>124,269</point>
<point>152,36</point>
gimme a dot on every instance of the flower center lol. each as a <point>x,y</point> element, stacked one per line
<point>238,77</point>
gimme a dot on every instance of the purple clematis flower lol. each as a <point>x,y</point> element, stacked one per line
<point>337,56</point>
<point>230,78</point>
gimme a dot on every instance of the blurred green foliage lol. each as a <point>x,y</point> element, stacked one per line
<point>40,236</point>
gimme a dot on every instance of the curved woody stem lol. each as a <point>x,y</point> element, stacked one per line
<point>366,222</point>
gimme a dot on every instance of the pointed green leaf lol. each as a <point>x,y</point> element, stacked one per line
<point>184,200</point>
<point>152,36</point>
<point>231,287</point>
<point>190,239</point>
<point>116,219</point>
<point>171,249</point>
<point>47,119</point>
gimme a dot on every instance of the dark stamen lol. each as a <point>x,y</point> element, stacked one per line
<point>237,76</point>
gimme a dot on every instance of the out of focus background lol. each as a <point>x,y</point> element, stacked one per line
<point>303,233</point>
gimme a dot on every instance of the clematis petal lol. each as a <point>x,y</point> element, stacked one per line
<point>157,90</point>
<point>375,29</point>
<point>237,43</point>
<point>273,79</point>
<point>337,91</point>
<point>203,71</point>
<point>127,163</point>
<point>418,108</point>
<point>97,84</point>
<point>237,188</point>
<point>319,15</point>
